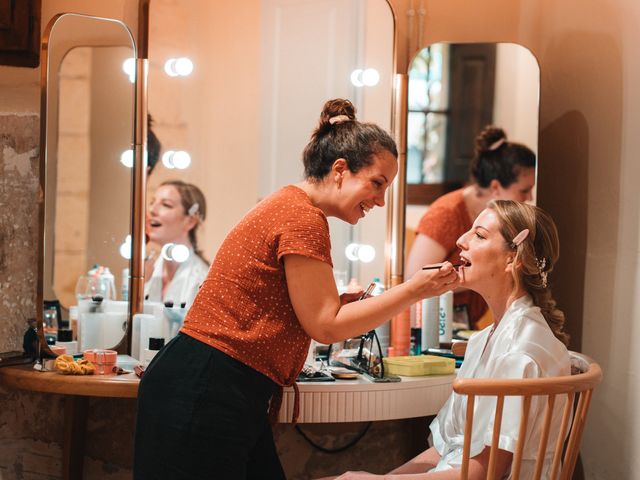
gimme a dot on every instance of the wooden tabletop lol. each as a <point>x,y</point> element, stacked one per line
<point>24,377</point>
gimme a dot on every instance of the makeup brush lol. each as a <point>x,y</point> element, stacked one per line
<point>436,267</point>
<point>368,291</point>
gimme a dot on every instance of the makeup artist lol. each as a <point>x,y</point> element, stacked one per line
<point>206,401</point>
<point>500,170</point>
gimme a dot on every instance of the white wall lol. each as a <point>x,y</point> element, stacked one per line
<point>517,94</point>
<point>213,113</point>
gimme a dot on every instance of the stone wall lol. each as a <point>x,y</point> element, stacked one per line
<point>19,193</point>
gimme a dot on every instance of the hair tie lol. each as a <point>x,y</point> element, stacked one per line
<point>495,145</point>
<point>519,238</point>
<point>339,119</point>
<point>193,209</point>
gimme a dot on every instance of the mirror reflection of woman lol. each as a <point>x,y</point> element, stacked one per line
<point>206,401</point>
<point>173,217</point>
<point>500,170</point>
<point>508,253</point>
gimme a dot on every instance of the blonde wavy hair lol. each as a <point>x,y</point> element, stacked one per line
<point>535,256</point>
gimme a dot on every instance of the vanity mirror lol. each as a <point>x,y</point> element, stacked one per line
<point>88,111</point>
<point>455,91</point>
<point>244,112</point>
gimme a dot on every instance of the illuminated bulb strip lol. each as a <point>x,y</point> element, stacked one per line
<point>368,77</point>
<point>360,252</point>
<point>175,252</point>
<point>178,67</point>
<point>176,159</point>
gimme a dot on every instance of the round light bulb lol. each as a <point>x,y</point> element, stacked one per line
<point>180,253</point>
<point>181,159</point>
<point>126,158</point>
<point>125,248</point>
<point>366,253</point>
<point>175,252</point>
<point>351,251</point>
<point>167,159</point>
<point>183,66</point>
<point>170,67</point>
<point>129,66</point>
<point>165,252</point>
<point>370,77</point>
<point>356,78</point>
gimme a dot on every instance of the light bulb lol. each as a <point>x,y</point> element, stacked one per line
<point>370,77</point>
<point>179,253</point>
<point>125,248</point>
<point>175,252</point>
<point>351,251</point>
<point>176,159</point>
<point>360,251</point>
<point>129,67</point>
<point>170,67</point>
<point>356,78</point>
<point>366,253</point>
<point>167,159</point>
<point>183,66</point>
<point>181,159</point>
<point>126,158</point>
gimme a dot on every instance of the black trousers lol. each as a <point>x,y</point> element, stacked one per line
<point>203,415</point>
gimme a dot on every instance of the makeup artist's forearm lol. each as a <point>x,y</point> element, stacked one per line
<point>359,317</point>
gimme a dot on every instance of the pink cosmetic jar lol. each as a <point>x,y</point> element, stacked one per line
<point>104,360</point>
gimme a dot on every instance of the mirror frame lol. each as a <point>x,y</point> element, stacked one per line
<point>136,13</point>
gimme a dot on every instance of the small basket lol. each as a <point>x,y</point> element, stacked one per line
<point>418,365</point>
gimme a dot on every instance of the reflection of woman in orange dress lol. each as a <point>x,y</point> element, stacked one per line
<point>500,170</point>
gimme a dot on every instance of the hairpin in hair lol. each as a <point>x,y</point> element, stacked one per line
<point>543,275</point>
<point>497,144</point>
<point>519,238</point>
<point>193,209</point>
<point>339,119</point>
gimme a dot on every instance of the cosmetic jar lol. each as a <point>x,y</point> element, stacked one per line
<point>104,360</point>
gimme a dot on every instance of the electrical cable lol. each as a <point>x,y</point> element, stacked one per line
<point>350,444</point>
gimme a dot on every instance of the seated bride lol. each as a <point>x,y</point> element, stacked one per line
<point>507,255</point>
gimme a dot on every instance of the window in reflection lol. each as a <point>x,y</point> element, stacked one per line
<point>428,115</point>
<point>451,97</point>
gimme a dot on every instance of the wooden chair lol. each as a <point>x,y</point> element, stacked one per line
<point>578,388</point>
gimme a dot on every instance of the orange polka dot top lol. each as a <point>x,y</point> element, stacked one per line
<point>243,306</point>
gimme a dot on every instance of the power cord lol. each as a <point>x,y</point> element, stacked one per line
<point>350,444</point>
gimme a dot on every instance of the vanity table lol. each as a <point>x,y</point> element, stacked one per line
<point>77,390</point>
<point>327,402</point>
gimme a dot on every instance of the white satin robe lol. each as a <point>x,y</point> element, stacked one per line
<point>522,346</point>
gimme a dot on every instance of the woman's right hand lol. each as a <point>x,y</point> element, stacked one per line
<point>429,283</point>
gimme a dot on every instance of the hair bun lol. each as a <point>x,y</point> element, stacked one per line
<point>334,108</point>
<point>488,137</point>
